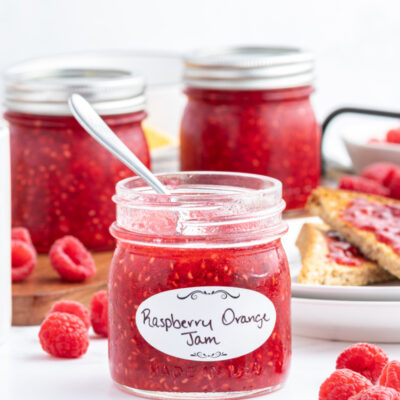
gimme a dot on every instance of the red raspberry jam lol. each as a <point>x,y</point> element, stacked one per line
<point>262,126</point>
<point>199,288</point>
<point>381,219</point>
<point>342,252</point>
<point>62,179</point>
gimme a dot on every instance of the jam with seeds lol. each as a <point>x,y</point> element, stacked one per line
<point>383,220</point>
<point>342,252</point>
<point>219,239</point>
<point>63,180</point>
<point>268,132</point>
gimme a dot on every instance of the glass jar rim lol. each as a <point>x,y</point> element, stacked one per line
<point>233,96</point>
<point>136,185</point>
<point>64,121</point>
<point>222,207</point>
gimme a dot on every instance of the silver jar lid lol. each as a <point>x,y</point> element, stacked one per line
<point>249,68</point>
<point>43,88</point>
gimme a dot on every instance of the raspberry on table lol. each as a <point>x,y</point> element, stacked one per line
<point>74,308</point>
<point>363,185</point>
<point>99,313</point>
<point>71,260</point>
<point>381,172</point>
<point>342,384</point>
<point>377,393</point>
<point>64,335</point>
<point>390,376</point>
<point>364,358</point>
<point>21,233</point>
<point>23,260</point>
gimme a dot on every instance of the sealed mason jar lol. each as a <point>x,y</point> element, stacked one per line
<point>199,287</point>
<point>62,179</point>
<point>249,111</point>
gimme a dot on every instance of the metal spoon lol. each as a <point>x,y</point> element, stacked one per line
<point>100,131</point>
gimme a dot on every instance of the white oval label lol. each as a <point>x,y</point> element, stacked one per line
<point>206,323</point>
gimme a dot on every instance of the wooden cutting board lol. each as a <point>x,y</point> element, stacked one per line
<point>33,298</point>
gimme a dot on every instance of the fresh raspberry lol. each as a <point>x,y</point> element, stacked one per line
<point>64,335</point>
<point>364,358</point>
<point>23,260</point>
<point>380,172</point>
<point>343,384</point>
<point>390,376</point>
<point>20,233</point>
<point>99,313</point>
<point>394,185</point>
<point>74,308</point>
<point>360,184</point>
<point>377,393</point>
<point>393,136</point>
<point>71,260</point>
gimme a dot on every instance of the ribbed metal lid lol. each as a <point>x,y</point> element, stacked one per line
<point>45,89</point>
<point>249,68</point>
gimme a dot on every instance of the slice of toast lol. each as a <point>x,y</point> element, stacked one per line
<point>329,204</point>
<point>320,269</point>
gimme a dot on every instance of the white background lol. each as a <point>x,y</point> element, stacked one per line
<point>356,42</point>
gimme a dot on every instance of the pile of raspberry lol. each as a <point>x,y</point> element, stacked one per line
<point>363,372</point>
<point>382,179</point>
<point>65,331</point>
<point>68,256</point>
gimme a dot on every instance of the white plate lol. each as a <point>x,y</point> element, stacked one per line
<point>355,321</point>
<point>389,291</point>
<point>380,292</point>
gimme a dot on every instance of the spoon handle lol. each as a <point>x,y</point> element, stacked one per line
<point>100,131</point>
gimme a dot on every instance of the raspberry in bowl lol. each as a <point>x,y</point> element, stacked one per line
<point>365,148</point>
<point>193,274</point>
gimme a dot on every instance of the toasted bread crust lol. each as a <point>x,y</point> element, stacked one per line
<point>319,269</point>
<point>328,204</point>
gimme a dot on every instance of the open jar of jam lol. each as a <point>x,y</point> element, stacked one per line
<point>199,287</point>
<point>249,111</point>
<point>62,179</point>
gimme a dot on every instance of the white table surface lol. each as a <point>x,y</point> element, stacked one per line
<point>26,372</point>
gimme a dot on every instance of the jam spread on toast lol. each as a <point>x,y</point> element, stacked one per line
<point>342,252</point>
<point>381,219</point>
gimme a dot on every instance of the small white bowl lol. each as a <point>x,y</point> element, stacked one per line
<point>363,153</point>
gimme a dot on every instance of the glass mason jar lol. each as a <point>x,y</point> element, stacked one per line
<point>62,179</point>
<point>199,287</point>
<point>249,110</point>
